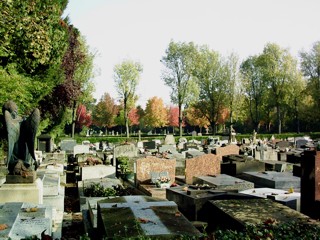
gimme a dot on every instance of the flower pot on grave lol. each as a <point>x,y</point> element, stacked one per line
<point>164,185</point>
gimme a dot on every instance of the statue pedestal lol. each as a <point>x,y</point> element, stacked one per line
<point>20,179</point>
<point>22,192</point>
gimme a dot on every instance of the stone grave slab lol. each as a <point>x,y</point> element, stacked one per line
<point>269,154</point>
<point>167,148</point>
<point>51,184</point>
<point>207,164</point>
<point>50,167</point>
<point>142,216</point>
<point>234,214</point>
<point>22,192</point>
<point>149,145</point>
<point>223,182</point>
<point>25,220</point>
<point>144,167</point>
<point>97,171</point>
<point>290,199</point>
<point>193,202</point>
<point>271,179</point>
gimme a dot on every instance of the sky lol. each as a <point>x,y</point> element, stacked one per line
<point>141,30</point>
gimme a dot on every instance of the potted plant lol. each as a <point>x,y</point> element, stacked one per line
<point>124,168</point>
<point>163,182</point>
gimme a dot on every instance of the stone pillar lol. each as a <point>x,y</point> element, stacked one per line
<point>310,184</point>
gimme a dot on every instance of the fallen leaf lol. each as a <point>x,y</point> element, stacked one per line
<point>3,227</point>
<point>144,220</point>
<point>178,214</point>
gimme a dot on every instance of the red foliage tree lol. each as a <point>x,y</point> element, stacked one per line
<point>134,117</point>
<point>83,117</point>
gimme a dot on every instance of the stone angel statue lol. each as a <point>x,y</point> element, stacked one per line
<point>21,133</point>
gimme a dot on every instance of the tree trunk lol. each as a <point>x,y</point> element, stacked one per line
<point>180,120</point>
<point>73,119</point>
<point>279,119</point>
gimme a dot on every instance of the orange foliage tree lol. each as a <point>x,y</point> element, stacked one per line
<point>156,114</point>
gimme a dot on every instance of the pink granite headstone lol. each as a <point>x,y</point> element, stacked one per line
<point>227,150</point>
<point>207,164</point>
<point>147,165</point>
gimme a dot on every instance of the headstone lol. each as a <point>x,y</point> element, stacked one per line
<point>310,184</point>
<point>236,214</point>
<point>97,171</point>
<point>51,184</point>
<point>227,150</point>
<point>190,145</point>
<point>223,182</point>
<point>167,148</point>
<point>127,150</point>
<point>144,167</point>
<point>207,164</point>
<point>78,149</point>
<point>68,145</point>
<point>194,133</point>
<point>150,145</point>
<point>271,179</point>
<point>45,143</point>
<point>142,216</point>
<point>25,220</point>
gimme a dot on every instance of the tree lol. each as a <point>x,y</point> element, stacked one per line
<point>279,71</point>
<point>310,67</point>
<point>134,117</point>
<point>194,117</point>
<point>155,113</point>
<point>173,117</point>
<point>214,82</point>
<point>126,76</point>
<point>255,89</point>
<point>105,112</point>
<point>178,75</point>
<point>83,118</point>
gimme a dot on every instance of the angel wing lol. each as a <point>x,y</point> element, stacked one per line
<point>13,130</point>
<point>29,130</point>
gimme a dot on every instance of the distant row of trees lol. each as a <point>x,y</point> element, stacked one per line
<point>269,92</point>
<point>45,63</point>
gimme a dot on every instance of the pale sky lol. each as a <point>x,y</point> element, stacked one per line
<point>141,30</point>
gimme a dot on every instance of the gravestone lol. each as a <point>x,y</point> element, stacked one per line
<point>97,171</point>
<point>67,145</point>
<point>207,164</point>
<point>45,143</point>
<point>271,179</point>
<point>79,149</point>
<point>150,145</point>
<point>194,133</point>
<point>127,150</point>
<point>144,167</point>
<point>310,184</point>
<point>227,150</point>
<point>25,220</point>
<point>167,148</point>
<point>223,182</point>
<point>301,142</point>
<point>236,164</point>
<point>235,214</point>
<point>142,216</point>
<point>190,145</point>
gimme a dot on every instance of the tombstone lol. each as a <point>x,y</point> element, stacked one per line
<point>235,165</point>
<point>80,149</point>
<point>227,150</point>
<point>45,143</point>
<point>144,167</point>
<point>223,182</point>
<point>190,145</point>
<point>236,214</point>
<point>169,140</point>
<point>167,148</point>
<point>150,145</point>
<point>310,184</point>
<point>193,202</point>
<point>127,150</point>
<point>194,133</point>
<point>97,171</point>
<point>207,164</point>
<point>271,179</point>
<point>68,145</point>
<point>142,217</point>
<point>25,220</point>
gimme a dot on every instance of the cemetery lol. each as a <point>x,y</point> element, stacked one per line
<point>160,189</point>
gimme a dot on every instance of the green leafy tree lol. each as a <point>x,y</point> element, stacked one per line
<point>179,63</point>
<point>279,71</point>
<point>214,82</point>
<point>127,76</point>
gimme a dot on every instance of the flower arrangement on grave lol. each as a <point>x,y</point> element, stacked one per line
<point>163,182</point>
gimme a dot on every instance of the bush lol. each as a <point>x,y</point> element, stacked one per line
<point>97,190</point>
